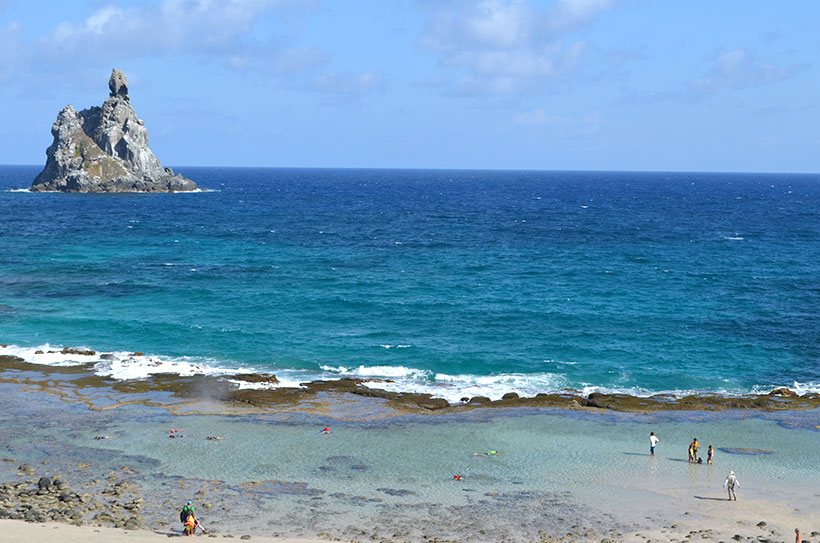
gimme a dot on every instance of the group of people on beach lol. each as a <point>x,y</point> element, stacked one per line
<point>694,447</point>
<point>731,482</point>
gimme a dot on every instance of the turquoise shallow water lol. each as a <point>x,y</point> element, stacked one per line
<point>554,470</point>
<point>455,282</point>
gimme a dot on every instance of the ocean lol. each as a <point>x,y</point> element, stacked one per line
<point>457,283</point>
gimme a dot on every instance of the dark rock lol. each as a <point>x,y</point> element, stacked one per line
<point>34,515</point>
<point>434,404</point>
<point>479,400</point>
<point>510,396</point>
<point>255,378</point>
<point>783,391</point>
<point>82,352</point>
<point>761,524</point>
<point>44,483</point>
<point>67,497</point>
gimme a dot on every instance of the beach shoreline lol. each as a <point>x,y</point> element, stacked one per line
<point>262,391</point>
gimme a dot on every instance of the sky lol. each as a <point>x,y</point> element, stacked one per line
<point>696,85</point>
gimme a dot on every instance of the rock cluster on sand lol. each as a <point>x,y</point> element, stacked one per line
<point>105,149</point>
<point>53,500</point>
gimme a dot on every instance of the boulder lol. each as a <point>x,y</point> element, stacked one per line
<point>81,352</point>
<point>434,404</point>
<point>783,391</point>
<point>105,149</point>
<point>479,400</point>
<point>44,483</point>
<point>510,396</point>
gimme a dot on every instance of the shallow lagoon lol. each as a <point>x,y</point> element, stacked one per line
<point>555,471</point>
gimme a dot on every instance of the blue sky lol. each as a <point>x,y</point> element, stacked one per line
<point>728,85</point>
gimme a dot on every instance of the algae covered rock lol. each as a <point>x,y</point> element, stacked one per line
<point>105,149</point>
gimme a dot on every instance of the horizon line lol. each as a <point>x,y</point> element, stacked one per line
<point>462,169</point>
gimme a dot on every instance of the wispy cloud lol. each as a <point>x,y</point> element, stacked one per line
<point>726,70</point>
<point>218,29</point>
<point>10,49</point>
<point>589,124</point>
<point>349,84</point>
<point>739,69</point>
<point>505,47</point>
<point>260,37</point>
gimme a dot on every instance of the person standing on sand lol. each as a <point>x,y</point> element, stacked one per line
<point>797,535</point>
<point>730,483</point>
<point>653,442</point>
<point>710,455</point>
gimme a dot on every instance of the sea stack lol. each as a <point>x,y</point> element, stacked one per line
<point>105,149</point>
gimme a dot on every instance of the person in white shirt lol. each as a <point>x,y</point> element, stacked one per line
<point>653,442</point>
<point>730,483</point>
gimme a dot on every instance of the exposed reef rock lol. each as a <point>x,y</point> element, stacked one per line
<point>223,394</point>
<point>105,149</point>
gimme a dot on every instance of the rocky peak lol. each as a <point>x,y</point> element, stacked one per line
<point>118,84</point>
<point>105,149</point>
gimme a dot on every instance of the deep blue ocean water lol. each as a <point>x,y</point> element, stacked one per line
<point>459,280</point>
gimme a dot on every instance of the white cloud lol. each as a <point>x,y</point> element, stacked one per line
<point>256,36</point>
<point>739,68</point>
<point>10,49</point>
<point>219,29</point>
<point>589,124</point>
<point>570,13</point>
<point>349,84</point>
<point>505,46</point>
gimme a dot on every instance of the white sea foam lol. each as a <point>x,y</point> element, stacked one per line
<point>385,372</point>
<point>23,190</point>
<point>126,365</point>
<point>120,364</point>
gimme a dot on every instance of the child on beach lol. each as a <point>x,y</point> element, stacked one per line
<point>653,442</point>
<point>710,455</point>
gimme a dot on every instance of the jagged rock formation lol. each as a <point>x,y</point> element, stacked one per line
<point>105,149</point>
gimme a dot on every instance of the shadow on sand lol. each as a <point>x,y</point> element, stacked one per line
<point>710,498</point>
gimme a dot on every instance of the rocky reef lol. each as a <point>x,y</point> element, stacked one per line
<point>105,149</point>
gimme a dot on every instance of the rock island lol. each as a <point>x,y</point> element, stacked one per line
<point>105,149</point>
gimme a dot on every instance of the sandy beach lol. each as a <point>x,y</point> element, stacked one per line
<point>14,530</point>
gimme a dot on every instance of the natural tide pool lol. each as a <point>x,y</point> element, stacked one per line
<point>554,472</point>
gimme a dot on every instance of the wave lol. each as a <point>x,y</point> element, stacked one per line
<point>127,365</point>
